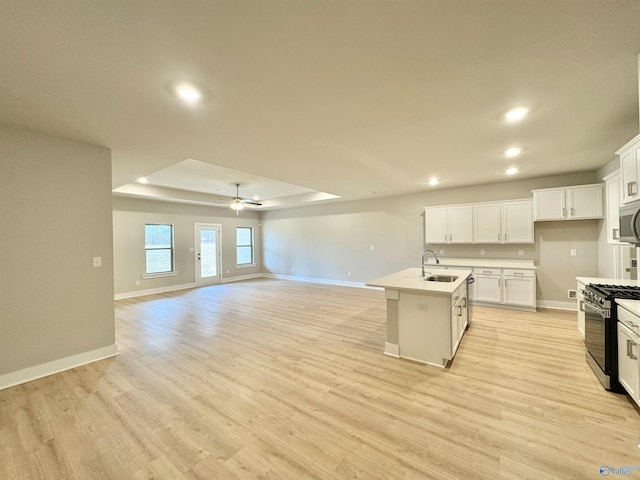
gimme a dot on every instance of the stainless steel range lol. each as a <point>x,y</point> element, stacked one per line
<point>600,334</point>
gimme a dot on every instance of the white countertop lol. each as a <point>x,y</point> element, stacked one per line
<point>483,263</point>
<point>632,305</point>
<point>608,281</point>
<point>411,279</point>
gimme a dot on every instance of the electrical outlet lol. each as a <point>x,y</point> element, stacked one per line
<point>293,270</point>
<point>482,251</point>
<point>372,247</point>
<point>521,252</point>
<point>442,251</point>
<point>227,271</point>
<point>573,252</point>
<point>138,282</point>
<point>97,261</point>
<point>349,274</point>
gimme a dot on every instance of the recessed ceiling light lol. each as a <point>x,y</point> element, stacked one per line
<point>433,181</point>
<point>512,171</point>
<point>513,152</point>
<point>516,114</point>
<point>143,180</point>
<point>188,93</point>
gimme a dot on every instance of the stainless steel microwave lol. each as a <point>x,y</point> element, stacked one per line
<point>630,223</point>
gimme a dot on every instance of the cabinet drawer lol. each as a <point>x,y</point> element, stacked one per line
<point>487,271</point>
<point>512,272</point>
<point>629,319</point>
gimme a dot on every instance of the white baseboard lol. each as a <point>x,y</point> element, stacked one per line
<point>552,304</point>
<point>55,366</point>
<point>152,291</point>
<point>240,278</point>
<point>392,349</point>
<point>318,280</point>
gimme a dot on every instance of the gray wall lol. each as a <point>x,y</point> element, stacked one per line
<point>129,218</point>
<point>329,241</point>
<point>55,198</point>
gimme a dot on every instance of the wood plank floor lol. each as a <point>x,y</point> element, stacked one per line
<point>285,380</point>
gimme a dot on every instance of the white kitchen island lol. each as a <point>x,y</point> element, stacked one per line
<point>425,319</point>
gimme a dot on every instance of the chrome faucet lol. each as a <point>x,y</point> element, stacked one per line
<point>435,256</point>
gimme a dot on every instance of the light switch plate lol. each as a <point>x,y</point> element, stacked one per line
<point>97,261</point>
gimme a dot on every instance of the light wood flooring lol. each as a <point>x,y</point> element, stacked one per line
<point>285,380</point>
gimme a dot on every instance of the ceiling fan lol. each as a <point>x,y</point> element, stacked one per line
<point>238,203</point>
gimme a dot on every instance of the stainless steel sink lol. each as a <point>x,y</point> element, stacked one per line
<point>441,278</point>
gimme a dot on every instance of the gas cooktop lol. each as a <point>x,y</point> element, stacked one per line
<point>631,292</point>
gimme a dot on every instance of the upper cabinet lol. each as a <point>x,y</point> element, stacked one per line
<point>492,222</point>
<point>568,203</point>
<point>503,222</point>
<point>449,224</point>
<point>613,188</point>
<point>629,160</point>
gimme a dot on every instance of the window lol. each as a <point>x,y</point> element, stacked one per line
<point>244,246</point>
<point>158,245</point>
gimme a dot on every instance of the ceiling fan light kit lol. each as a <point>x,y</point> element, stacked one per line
<point>237,203</point>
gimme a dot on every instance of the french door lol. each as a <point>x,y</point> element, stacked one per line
<point>207,253</point>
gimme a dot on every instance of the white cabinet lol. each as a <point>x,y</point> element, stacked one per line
<point>517,222</point>
<point>519,287</point>
<point>503,222</point>
<point>613,197</point>
<point>629,158</point>
<point>580,307</point>
<point>509,287</point>
<point>628,366</point>
<point>448,224</point>
<point>487,286</point>
<point>458,317</point>
<point>568,203</point>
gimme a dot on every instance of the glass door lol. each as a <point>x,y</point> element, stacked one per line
<point>207,253</point>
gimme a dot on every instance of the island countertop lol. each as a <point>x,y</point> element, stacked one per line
<point>411,279</point>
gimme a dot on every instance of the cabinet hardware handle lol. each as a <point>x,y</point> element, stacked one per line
<point>486,271</point>
<point>616,234</point>
<point>460,311</point>
<point>499,282</point>
<point>505,237</point>
<point>634,191</point>
<point>464,302</point>
<point>451,237</point>
<point>573,212</point>
<point>564,212</point>
<point>518,273</point>
<point>581,307</point>
<point>499,237</point>
<point>630,354</point>
<point>628,189</point>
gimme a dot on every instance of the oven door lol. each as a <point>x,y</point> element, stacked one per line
<point>595,336</point>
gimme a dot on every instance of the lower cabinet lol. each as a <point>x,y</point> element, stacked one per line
<point>458,318</point>
<point>628,366</point>
<point>512,287</point>
<point>519,287</point>
<point>487,286</point>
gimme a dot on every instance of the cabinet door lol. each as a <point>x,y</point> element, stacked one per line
<point>628,372</point>
<point>613,194</point>
<point>487,223</point>
<point>487,288</point>
<point>461,224</point>
<point>436,225</point>
<point>517,222</point>
<point>549,205</point>
<point>584,202</point>
<point>629,171</point>
<point>519,291</point>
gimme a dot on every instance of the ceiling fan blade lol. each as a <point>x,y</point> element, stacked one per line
<point>249,202</point>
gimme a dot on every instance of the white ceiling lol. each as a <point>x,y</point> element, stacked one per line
<point>344,97</point>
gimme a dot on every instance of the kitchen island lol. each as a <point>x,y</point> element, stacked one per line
<point>426,319</point>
